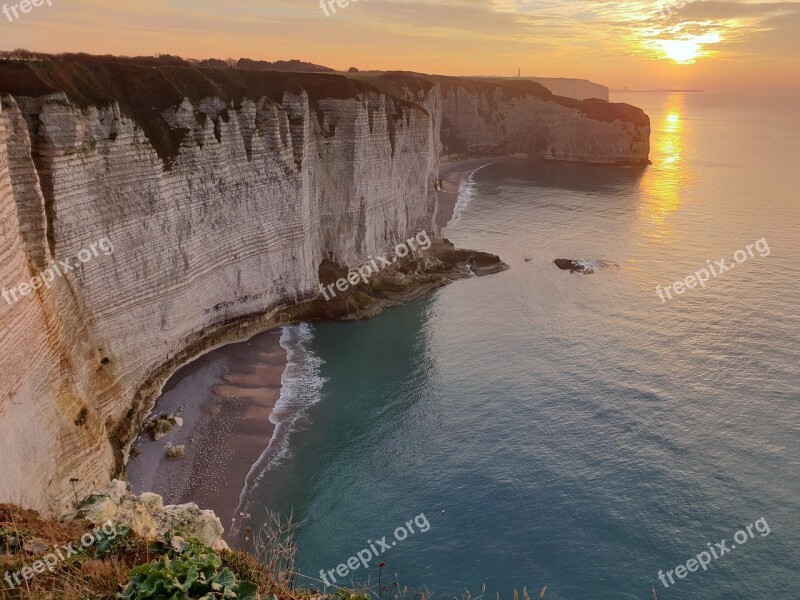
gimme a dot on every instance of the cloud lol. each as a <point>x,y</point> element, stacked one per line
<point>582,38</point>
<point>733,10</point>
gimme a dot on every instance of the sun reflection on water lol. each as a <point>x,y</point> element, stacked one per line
<point>662,185</point>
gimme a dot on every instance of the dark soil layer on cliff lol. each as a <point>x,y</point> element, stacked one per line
<point>144,92</point>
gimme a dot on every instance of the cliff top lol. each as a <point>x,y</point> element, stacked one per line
<point>144,88</point>
<point>144,92</point>
<point>162,87</point>
<point>245,64</point>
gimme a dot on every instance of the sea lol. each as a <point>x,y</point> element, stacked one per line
<point>583,433</point>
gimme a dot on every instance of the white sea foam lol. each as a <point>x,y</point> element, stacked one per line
<point>301,383</point>
<point>588,263</point>
<point>465,193</point>
<point>301,388</point>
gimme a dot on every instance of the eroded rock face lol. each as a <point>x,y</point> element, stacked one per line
<point>147,516</point>
<point>221,193</point>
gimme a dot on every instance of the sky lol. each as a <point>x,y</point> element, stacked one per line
<point>707,44</point>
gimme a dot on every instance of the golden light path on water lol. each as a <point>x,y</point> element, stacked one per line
<point>662,184</point>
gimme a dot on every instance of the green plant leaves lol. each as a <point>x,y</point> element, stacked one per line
<point>247,591</point>
<point>224,580</point>
<point>191,572</point>
<point>106,544</point>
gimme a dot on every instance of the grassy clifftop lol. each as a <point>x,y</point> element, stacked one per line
<point>42,559</point>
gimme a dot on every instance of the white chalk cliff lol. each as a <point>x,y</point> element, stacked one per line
<point>222,192</point>
<point>517,116</point>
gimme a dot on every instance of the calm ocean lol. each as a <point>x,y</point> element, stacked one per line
<point>575,431</point>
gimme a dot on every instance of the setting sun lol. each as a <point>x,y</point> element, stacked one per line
<point>686,51</point>
<point>682,52</point>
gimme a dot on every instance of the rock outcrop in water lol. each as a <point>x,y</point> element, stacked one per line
<point>586,267</point>
<point>222,193</point>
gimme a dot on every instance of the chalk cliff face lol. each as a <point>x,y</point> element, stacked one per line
<point>221,192</point>
<point>518,116</point>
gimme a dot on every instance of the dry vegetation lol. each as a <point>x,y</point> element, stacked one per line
<point>167,60</point>
<point>25,537</point>
<point>104,570</point>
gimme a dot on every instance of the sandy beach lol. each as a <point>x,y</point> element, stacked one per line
<point>225,430</point>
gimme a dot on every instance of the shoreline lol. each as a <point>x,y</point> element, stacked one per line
<point>451,175</point>
<point>226,398</point>
<point>226,392</point>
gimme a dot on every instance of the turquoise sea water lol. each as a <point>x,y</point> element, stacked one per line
<point>575,431</point>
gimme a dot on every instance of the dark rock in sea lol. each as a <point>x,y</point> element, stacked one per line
<point>586,267</point>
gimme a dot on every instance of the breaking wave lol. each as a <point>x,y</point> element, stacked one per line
<point>465,192</point>
<point>301,388</point>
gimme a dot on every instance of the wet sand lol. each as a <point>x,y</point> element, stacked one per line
<point>225,399</point>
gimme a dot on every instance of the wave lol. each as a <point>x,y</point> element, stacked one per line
<point>301,388</point>
<point>588,263</point>
<point>465,192</point>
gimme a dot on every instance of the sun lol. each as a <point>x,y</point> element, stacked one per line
<point>683,52</point>
<point>687,50</point>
